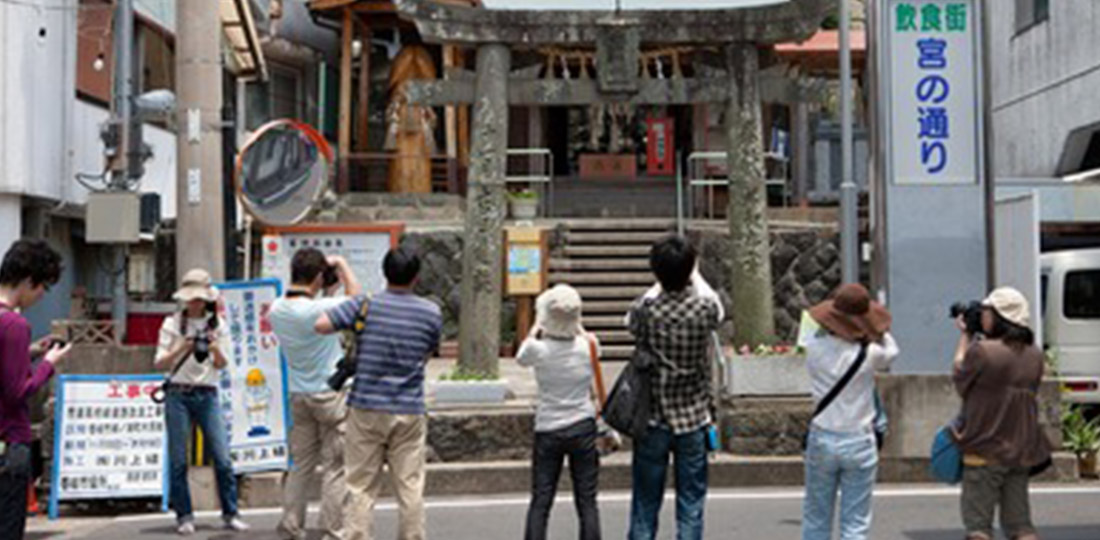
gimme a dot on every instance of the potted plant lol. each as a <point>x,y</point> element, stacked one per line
<point>768,370</point>
<point>524,204</point>
<point>1082,437</point>
<point>465,387</point>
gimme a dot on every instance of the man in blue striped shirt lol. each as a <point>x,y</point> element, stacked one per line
<point>387,423</point>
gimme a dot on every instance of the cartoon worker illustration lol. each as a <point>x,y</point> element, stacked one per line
<point>257,402</point>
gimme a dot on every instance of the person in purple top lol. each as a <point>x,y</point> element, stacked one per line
<point>29,269</point>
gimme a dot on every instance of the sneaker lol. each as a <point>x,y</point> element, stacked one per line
<point>186,529</point>
<point>235,524</point>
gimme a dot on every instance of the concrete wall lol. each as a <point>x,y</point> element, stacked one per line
<point>918,405</point>
<point>1044,84</point>
<point>38,62</point>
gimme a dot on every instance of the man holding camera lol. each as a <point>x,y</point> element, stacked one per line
<point>318,412</point>
<point>30,267</point>
<point>387,423</point>
<point>190,347</point>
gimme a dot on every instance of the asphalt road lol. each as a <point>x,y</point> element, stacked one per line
<point>904,513</point>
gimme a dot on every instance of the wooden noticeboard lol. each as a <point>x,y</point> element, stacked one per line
<point>526,261</point>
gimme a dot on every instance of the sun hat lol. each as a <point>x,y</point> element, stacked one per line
<point>851,314</point>
<point>196,285</point>
<point>558,312</point>
<point>1011,305</point>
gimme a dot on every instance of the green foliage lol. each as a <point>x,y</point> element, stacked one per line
<point>462,375</point>
<point>1081,436</point>
<point>1050,362</point>
<point>524,195</point>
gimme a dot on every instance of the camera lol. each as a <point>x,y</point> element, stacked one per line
<point>971,313</point>
<point>329,277</point>
<point>201,350</point>
<point>345,369</point>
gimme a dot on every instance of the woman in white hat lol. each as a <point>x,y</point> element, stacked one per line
<point>998,432</point>
<point>564,357</point>
<point>190,348</point>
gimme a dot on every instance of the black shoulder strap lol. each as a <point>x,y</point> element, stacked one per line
<point>843,382</point>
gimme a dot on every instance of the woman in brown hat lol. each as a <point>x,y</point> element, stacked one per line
<point>853,341</point>
<point>998,432</point>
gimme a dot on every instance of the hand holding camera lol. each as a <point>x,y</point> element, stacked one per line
<point>968,316</point>
<point>58,351</point>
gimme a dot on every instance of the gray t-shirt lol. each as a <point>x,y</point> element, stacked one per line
<point>563,371</point>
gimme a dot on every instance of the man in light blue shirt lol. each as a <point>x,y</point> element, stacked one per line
<point>318,412</point>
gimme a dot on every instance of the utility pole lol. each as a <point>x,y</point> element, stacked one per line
<point>129,140</point>
<point>849,191</point>
<point>200,227</point>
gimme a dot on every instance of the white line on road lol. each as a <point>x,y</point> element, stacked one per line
<point>624,497</point>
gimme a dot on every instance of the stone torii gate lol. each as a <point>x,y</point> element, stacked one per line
<point>729,74</point>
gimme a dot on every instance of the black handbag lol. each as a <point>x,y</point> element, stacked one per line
<point>628,405</point>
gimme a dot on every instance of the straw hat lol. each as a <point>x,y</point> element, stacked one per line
<point>197,285</point>
<point>558,312</point>
<point>1011,305</point>
<point>851,314</point>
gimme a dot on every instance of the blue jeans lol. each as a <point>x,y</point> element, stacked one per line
<point>181,407</point>
<point>648,472</point>
<point>844,461</point>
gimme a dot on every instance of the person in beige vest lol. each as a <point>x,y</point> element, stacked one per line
<point>318,412</point>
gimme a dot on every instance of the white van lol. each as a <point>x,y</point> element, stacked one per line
<point>1071,319</point>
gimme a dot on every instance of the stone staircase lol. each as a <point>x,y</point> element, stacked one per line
<point>607,261</point>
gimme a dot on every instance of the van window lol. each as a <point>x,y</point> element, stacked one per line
<point>1044,285</point>
<point>1082,295</point>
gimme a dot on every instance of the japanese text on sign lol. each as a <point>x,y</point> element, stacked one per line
<point>933,92</point>
<point>109,439</point>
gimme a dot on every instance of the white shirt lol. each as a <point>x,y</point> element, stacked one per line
<point>827,359</point>
<point>698,285</point>
<point>563,371</point>
<point>192,372</point>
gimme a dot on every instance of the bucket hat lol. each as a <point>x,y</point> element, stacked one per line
<point>851,314</point>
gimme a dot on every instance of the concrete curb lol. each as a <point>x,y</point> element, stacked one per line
<point>503,477</point>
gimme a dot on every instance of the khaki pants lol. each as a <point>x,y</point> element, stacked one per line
<point>374,439</point>
<point>984,489</point>
<point>317,438</point>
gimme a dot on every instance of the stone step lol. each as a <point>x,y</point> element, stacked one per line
<point>654,225</point>
<point>617,352</point>
<point>640,251</point>
<point>614,322</point>
<point>617,307</point>
<point>593,292</point>
<point>609,337</point>
<point>603,265</point>
<point>602,278</point>
<point>640,238</point>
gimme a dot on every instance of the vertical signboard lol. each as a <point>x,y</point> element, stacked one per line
<point>252,389</point>
<point>935,103</point>
<point>930,215</point>
<point>109,439</point>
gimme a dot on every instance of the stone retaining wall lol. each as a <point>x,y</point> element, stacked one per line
<point>805,269</point>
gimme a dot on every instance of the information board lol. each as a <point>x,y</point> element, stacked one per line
<point>363,246</point>
<point>109,439</point>
<point>252,389</point>
<point>526,264</point>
